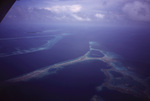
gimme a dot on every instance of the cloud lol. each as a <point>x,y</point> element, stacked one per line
<point>21,14</point>
<point>96,11</point>
<point>65,8</point>
<point>99,15</point>
<point>137,10</point>
<point>80,18</point>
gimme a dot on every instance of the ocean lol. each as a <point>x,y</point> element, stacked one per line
<point>24,50</point>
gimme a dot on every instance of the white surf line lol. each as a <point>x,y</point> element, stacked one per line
<point>46,46</point>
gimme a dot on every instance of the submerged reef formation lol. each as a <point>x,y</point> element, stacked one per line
<point>118,77</point>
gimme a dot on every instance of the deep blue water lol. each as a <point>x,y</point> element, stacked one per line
<point>75,82</point>
<point>95,53</point>
<point>111,95</point>
<point>68,48</point>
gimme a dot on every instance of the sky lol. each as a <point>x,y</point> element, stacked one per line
<point>104,12</point>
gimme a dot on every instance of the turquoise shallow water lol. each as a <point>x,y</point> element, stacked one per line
<point>114,77</point>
